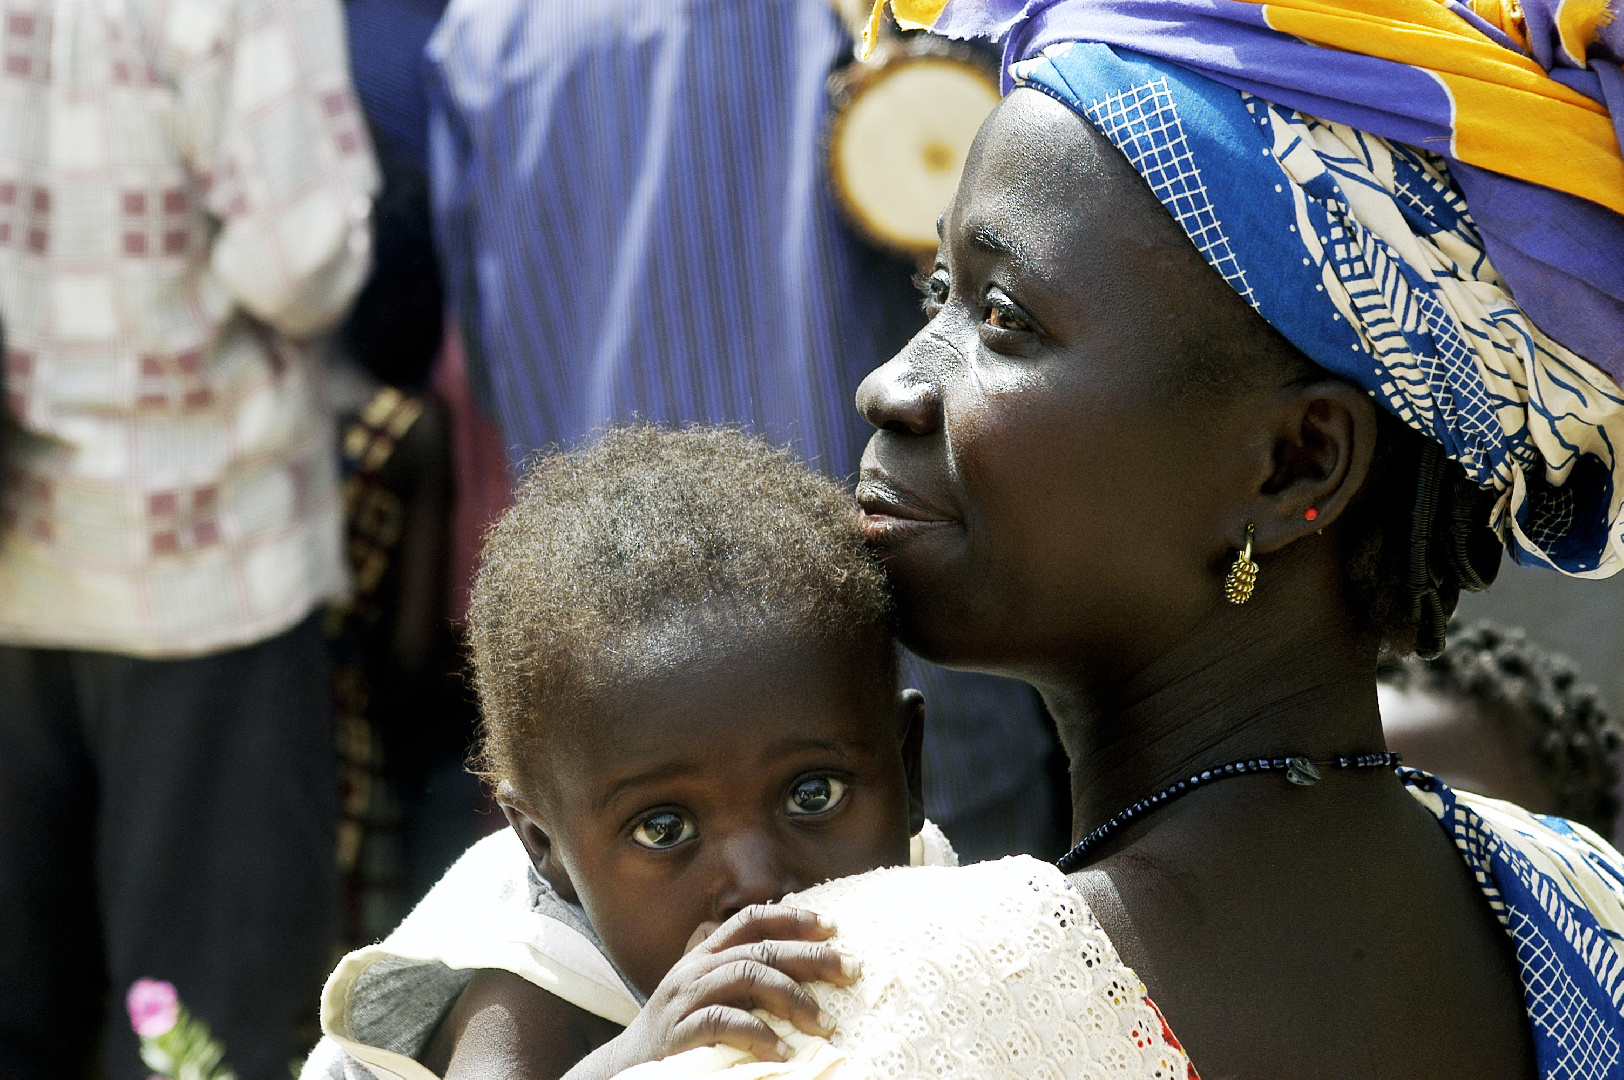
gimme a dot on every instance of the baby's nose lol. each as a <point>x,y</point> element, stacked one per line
<point>752,871</point>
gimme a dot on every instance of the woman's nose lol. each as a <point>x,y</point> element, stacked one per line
<point>896,397</point>
<point>753,871</point>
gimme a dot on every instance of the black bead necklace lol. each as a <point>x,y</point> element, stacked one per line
<point>1299,770</point>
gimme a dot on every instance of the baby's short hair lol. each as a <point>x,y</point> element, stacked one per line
<point>609,549</point>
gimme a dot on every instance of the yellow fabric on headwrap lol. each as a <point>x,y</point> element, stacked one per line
<point>1579,22</point>
<point>1509,116</point>
<point>910,15</point>
<point>1506,16</point>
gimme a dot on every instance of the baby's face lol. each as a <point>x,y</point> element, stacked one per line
<point>759,767</point>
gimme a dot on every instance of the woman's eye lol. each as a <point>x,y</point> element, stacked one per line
<point>815,795</point>
<point>1004,314</point>
<point>933,290</point>
<point>664,830</point>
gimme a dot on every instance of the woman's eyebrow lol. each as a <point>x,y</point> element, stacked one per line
<point>987,238</point>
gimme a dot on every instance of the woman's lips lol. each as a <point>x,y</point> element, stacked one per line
<point>889,516</point>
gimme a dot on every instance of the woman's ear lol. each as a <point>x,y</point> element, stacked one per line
<point>911,724</point>
<point>1322,454</point>
<point>536,835</point>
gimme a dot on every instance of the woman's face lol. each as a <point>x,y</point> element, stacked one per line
<point>1050,484</point>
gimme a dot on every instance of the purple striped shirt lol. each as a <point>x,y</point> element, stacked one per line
<point>635,220</point>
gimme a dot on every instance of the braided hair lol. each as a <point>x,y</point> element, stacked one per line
<point>1417,536</point>
<point>1537,696</point>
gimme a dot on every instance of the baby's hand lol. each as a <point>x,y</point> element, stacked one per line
<point>753,961</point>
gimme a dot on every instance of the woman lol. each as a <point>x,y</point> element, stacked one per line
<point>1184,338</point>
<point>1217,401</point>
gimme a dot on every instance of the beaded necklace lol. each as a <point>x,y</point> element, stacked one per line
<point>1299,770</point>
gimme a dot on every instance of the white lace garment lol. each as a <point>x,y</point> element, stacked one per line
<point>996,970</point>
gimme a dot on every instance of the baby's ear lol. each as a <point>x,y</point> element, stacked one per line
<point>911,723</point>
<point>536,835</point>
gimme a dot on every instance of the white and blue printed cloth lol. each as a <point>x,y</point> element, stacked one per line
<point>1558,889</point>
<point>1363,253</point>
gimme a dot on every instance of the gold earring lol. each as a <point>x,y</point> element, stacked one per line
<point>1243,575</point>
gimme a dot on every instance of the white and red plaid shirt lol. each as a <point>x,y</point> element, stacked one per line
<point>184,192</point>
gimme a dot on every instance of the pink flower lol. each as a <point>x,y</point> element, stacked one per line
<point>154,1007</point>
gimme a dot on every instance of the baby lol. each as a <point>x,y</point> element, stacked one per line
<point>688,686</point>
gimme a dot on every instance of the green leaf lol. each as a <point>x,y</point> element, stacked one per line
<point>188,1051</point>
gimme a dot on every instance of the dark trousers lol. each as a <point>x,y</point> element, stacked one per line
<point>172,819</point>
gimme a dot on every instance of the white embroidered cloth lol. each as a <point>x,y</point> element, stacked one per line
<point>993,971</point>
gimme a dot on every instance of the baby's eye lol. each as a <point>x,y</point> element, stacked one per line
<point>815,795</point>
<point>664,830</point>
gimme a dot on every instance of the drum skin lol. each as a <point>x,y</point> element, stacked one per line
<point>900,127</point>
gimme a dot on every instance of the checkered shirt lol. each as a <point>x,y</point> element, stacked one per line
<point>184,192</point>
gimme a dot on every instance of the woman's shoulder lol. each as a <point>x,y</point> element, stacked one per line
<point>1558,889</point>
<point>1528,849</point>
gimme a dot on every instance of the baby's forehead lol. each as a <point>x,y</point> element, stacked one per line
<point>735,694</point>
<point>706,653</point>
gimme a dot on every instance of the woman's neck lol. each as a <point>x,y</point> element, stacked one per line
<point>1245,682</point>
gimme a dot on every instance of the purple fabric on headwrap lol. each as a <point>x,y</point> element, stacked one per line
<point>1561,257</point>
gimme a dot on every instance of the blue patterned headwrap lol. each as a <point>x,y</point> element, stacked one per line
<point>1362,253</point>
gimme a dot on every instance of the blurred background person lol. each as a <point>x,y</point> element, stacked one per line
<point>1497,715</point>
<point>635,220</point>
<point>408,807</point>
<point>1580,619</point>
<point>184,196</point>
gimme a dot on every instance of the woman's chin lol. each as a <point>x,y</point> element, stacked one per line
<point>944,637</point>
<point>930,574</point>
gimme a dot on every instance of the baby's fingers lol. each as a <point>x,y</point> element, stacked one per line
<point>727,1026</point>
<point>750,984</point>
<point>802,961</point>
<point>761,922</point>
